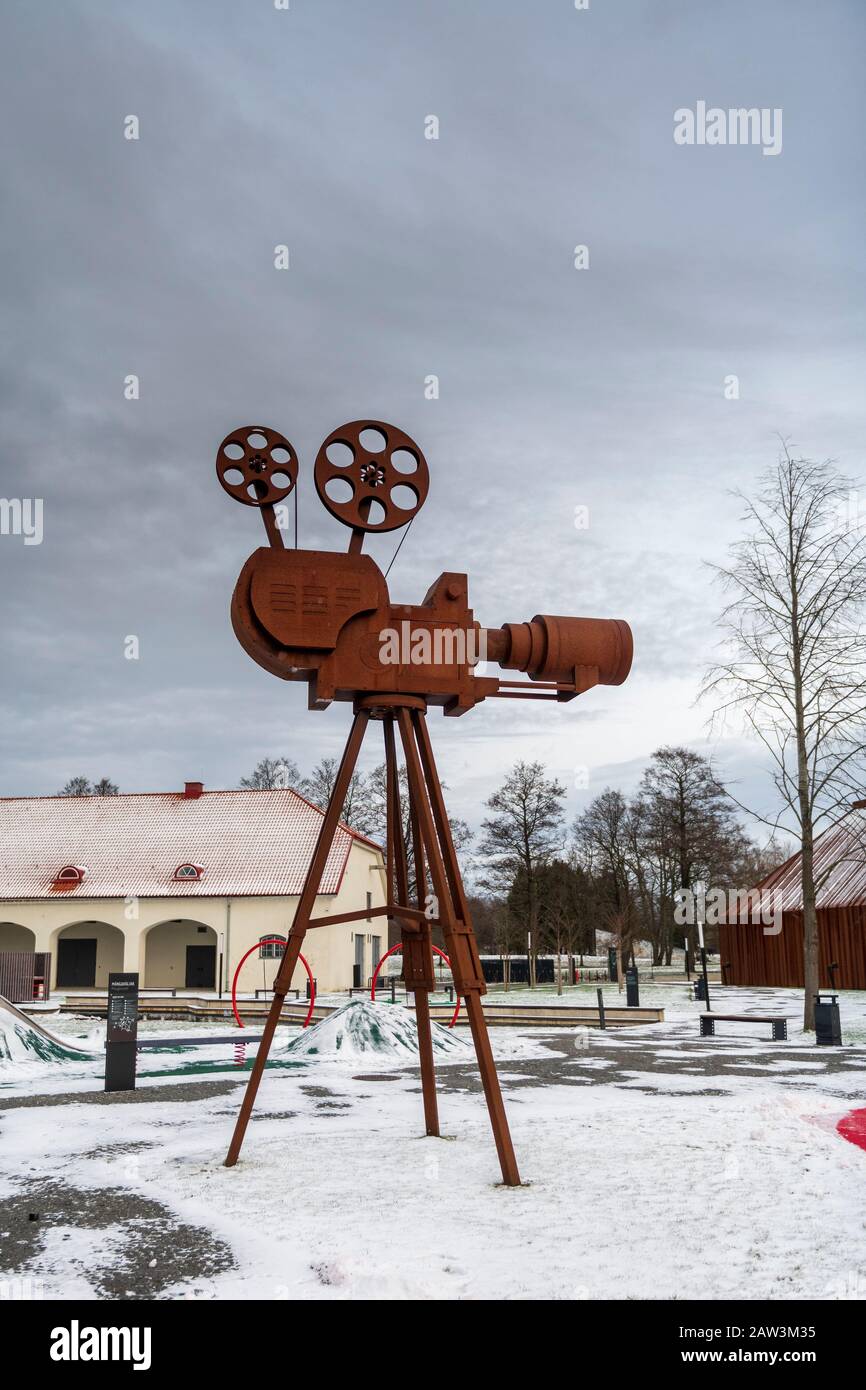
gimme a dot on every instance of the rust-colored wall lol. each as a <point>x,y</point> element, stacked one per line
<point>756,959</point>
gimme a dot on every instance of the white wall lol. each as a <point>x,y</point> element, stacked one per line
<point>237,924</point>
<point>16,938</point>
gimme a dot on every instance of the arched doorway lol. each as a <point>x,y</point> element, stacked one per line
<point>86,954</point>
<point>181,954</point>
<point>16,938</point>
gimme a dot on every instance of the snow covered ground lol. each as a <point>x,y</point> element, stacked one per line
<point>656,1165</point>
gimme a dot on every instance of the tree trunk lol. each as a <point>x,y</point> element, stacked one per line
<point>811,977</point>
<point>531,945</point>
<point>804,794</point>
<point>685,877</point>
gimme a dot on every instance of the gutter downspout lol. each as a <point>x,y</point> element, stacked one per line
<point>228,944</point>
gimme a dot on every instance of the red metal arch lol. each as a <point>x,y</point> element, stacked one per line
<point>399,947</point>
<point>271,941</point>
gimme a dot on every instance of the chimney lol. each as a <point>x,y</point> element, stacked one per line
<point>193,790</point>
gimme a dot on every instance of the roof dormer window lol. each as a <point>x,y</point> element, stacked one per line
<point>188,873</point>
<point>69,875</point>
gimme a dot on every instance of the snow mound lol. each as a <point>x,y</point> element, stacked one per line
<point>361,1027</point>
<point>22,1042</point>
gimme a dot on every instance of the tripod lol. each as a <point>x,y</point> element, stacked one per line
<point>433,849</point>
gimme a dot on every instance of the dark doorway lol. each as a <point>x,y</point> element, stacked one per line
<point>358,967</point>
<point>76,961</point>
<point>200,967</point>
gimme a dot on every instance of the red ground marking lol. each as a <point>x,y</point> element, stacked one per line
<point>853,1127</point>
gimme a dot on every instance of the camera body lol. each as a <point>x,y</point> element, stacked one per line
<point>326,618</point>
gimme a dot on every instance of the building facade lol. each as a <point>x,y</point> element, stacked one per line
<point>178,886</point>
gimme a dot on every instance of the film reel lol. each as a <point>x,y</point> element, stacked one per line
<point>371,476</point>
<point>264,462</point>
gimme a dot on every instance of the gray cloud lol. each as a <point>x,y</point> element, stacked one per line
<point>409,257</point>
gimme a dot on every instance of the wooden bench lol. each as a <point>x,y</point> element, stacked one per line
<point>778,1025</point>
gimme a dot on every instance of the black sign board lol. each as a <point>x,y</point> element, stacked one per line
<point>120,1038</point>
<point>632,989</point>
<point>612,973</point>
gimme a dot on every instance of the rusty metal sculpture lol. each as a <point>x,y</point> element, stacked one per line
<point>326,618</point>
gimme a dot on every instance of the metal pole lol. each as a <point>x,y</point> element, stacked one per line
<point>700,889</point>
<point>417,953</point>
<point>706,980</point>
<point>599,997</point>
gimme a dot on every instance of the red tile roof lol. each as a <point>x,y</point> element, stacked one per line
<point>251,844</point>
<point>840,868</point>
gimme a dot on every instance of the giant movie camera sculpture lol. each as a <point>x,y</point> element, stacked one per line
<point>326,618</point>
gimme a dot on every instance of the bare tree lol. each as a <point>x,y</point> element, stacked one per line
<point>692,819</point>
<point>602,843</point>
<point>356,808</point>
<point>653,869</point>
<point>82,786</point>
<point>523,832</point>
<point>757,862</point>
<point>372,820</point>
<point>563,912</point>
<point>508,939</point>
<point>272,773</point>
<point>794,671</point>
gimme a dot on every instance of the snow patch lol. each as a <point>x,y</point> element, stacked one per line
<point>361,1028</point>
<point>23,1041</point>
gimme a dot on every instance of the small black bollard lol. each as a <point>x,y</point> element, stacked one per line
<point>828,1025</point>
<point>601,1021</point>
<point>700,988</point>
<point>632,989</point>
<point>316,986</point>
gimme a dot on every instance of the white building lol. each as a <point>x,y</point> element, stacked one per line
<point>177,886</point>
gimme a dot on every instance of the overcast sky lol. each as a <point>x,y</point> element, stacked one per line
<point>409,257</point>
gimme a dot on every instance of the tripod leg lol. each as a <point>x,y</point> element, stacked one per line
<point>428,1072</point>
<point>417,955</point>
<point>306,902</point>
<point>426,792</point>
<point>477,1021</point>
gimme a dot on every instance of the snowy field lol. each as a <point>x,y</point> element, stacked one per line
<point>656,1165</point>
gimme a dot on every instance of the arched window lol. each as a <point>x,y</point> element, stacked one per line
<point>70,874</point>
<point>188,873</point>
<point>272,950</point>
